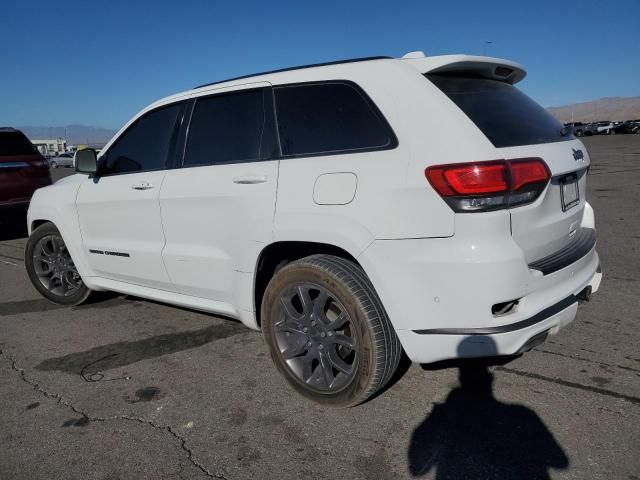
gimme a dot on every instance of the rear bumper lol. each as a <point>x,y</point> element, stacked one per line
<point>431,348</point>
<point>439,292</point>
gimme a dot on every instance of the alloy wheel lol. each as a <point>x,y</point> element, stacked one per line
<point>54,267</point>
<point>315,337</point>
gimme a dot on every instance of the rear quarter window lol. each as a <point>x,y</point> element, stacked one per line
<point>329,118</point>
<point>505,115</point>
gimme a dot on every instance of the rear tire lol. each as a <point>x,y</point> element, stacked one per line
<point>54,165</point>
<point>51,269</point>
<point>328,332</point>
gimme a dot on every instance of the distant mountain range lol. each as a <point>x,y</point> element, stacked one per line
<point>611,108</point>
<point>74,134</point>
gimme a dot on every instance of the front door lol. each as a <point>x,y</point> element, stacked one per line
<point>119,210</point>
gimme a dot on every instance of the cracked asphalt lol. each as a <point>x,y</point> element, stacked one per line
<point>127,388</point>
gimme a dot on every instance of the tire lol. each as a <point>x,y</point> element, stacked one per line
<point>344,332</point>
<point>54,165</point>
<point>51,269</point>
<point>578,133</point>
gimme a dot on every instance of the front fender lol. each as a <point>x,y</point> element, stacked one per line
<point>57,204</point>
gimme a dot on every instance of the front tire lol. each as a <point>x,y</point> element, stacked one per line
<point>328,332</point>
<point>51,268</point>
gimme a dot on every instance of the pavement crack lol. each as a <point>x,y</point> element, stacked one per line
<point>91,418</point>
<point>581,359</point>
<point>566,383</point>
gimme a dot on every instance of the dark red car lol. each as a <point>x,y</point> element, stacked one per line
<point>22,169</point>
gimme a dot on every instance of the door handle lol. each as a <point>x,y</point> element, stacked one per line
<point>142,186</point>
<point>250,179</point>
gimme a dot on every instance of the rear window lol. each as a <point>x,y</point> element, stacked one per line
<point>506,116</point>
<point>15,143</point>
<point>226,128</point>
<point>326,118</point>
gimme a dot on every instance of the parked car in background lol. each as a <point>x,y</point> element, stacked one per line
<point>578,128</point>
<point>22,169</point>
<point>629,126</point>
<point>62,160</point>
<point>603,128</point>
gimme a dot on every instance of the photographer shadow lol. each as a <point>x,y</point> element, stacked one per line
<point>473,435</point>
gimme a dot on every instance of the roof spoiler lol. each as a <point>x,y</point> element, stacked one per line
<point>486,67</point>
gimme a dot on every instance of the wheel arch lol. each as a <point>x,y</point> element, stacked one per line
<point>37,223</point>
<point>277,254</point>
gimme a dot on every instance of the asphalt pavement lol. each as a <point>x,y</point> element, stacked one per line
<point>128,388</point>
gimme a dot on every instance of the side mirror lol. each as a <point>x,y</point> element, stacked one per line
<point>86,161</point>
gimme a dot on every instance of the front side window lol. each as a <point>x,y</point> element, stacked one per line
<point>226,128</point>
<point>333,117</point>
<point>145,145</point>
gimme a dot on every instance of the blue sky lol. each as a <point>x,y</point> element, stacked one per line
<point>98,62</point>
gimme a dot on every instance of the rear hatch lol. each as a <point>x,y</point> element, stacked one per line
<point>22,168</point>
<point>519,128</point>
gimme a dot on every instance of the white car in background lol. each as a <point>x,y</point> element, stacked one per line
<point>62,160</point>
<point>351,211</point>
<point>604,128</point>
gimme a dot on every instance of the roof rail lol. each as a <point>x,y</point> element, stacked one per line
<point>338,62</point>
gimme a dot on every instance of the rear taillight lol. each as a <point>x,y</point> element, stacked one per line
<point>481,186</point>
<point>43,163</point>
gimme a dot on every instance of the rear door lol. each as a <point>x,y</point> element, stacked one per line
<point>119,211</point>
<point>218,206</point>
<point>520,128</point>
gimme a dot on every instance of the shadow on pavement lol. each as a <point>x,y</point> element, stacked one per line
<point>473,435</point>
<point>120,354</point>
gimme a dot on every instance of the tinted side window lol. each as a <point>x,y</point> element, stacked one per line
<point>327,118</point>
<point>226,128</point>
<point>145,145</point>
<point>15,143</point>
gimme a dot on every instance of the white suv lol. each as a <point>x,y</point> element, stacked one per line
<point>351,211</point>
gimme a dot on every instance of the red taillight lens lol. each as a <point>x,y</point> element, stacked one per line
<point>527,171</point>
<point>469,178</point>
<point>489,185</point>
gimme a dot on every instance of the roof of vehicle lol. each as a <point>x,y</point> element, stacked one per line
<point>498,68</point>
<point>289,69</point>
<point>486,67</point>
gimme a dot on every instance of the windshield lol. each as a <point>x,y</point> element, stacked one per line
<point>505,115</point>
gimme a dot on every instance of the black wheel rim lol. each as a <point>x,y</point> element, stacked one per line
<point>315,337</point>
<point>54,267</point>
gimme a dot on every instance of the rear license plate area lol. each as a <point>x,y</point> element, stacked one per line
<point>569,193</point>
